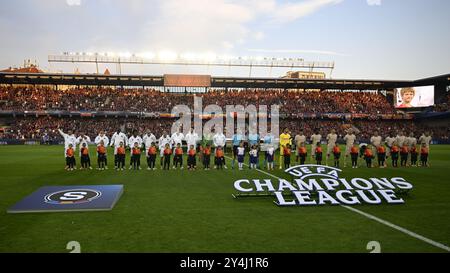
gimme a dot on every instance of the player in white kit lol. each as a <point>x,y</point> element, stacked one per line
<point>412,141</point>
<point>117,138</point>
<point>135,138</point>
<point>83,139</point>
<point>69,139</point>
<point>390,140</point>
<point>219,140</point>
<point>400,139</point>
<point>192,139</point>
<point>376,140</point>
<point>102,137</point>
<point>177,138</point>
<point>426,138</point>
<point>331,142</point>
<point>315,138</point>
<point>148,139</point>
<point>350,140</point>
<point>162,142</point>
<point>299,140</point>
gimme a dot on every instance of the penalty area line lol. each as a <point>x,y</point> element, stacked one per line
<point>379,220</point>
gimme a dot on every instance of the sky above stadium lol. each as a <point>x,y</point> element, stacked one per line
<point>373,39</point>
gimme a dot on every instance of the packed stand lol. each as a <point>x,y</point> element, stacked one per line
<point>151,100</point>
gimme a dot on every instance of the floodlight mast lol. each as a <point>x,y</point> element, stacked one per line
<point>170,58</point>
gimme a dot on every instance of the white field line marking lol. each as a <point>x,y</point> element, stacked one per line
<point>404,230</point>
<point>381,221</point>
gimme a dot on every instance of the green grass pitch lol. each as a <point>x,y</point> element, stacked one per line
<point>181,211</point>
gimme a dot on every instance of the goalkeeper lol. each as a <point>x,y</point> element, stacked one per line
<point>285,139</point>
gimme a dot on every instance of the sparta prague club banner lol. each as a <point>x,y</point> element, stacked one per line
<point>315,185</point>
<point>69,198</point>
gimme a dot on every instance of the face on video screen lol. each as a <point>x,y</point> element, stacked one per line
<point>411,97</point>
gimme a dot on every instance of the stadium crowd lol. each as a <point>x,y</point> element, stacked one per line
<point>151,100</point>
<point>292,104</point>
<point>444,106</point>
<point>37,128</point>
<point>26,128</point>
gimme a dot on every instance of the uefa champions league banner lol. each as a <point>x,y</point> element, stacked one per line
<point>315,185</point>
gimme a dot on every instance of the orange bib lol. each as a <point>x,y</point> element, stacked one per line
<point>69,152</point>
<point>152,151</point>
<point>302,150</point>
<point>101,150</point>
<point>121,151</point>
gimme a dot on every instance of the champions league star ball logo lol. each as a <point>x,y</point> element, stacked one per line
<point>310,170</point>
<point>314,185</point>
<point>74,196</point>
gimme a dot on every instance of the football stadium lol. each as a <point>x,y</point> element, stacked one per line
<point>96,157</point>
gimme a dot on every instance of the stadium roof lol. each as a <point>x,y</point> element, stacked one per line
<point>216,82</point>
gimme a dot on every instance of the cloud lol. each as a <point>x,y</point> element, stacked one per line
<point>303,51</point>
<point>259,35</point>
<point>374,2</point>
<point>200,24</point>
<point>220,24</point>
<point>73,2</point>
<point>292,11</point>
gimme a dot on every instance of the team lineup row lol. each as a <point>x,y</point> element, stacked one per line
<point>168,145</point>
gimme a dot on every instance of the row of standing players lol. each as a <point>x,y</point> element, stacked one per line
<point>366,152</point>
<point>119,141</point>
<point>168,146</point>
<point>395,147</point>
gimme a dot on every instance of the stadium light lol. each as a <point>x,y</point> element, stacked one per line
<point>147,55</point>
<point>188,58</point>
<point>167,55</point>
<point>209,56</point>
<point>227,57</point>
<point>125,55</point>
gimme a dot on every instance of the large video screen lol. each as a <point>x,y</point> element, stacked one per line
<point>412,97</point>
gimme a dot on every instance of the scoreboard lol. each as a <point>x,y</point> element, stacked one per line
<point>173,80</point>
